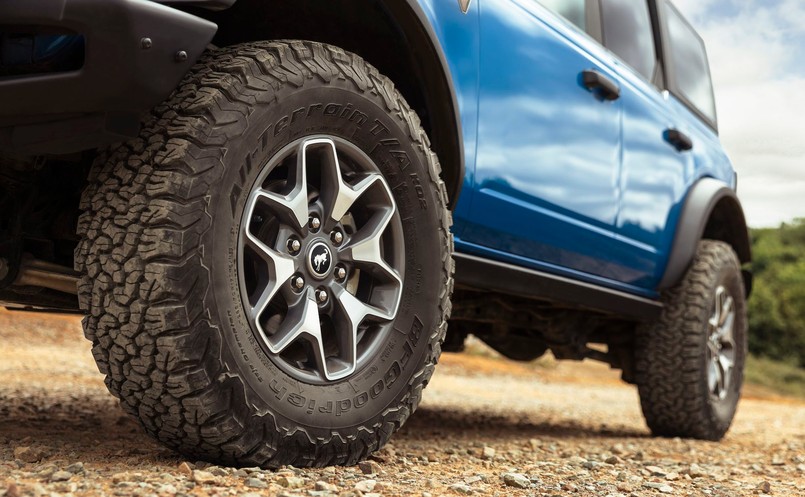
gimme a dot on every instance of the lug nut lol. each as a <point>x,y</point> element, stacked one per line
<point>298,282</point>
<point>294,245</point>
<point>337,237</point>
<point>321,296</point>
<point>340,273</point>
<point>315,223</point>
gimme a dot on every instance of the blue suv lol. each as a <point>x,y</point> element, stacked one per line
<point>276,215</point>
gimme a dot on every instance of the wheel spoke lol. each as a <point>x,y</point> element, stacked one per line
<point>712,376</point>
<point>352,312</point>
<point>337,195</point>
<point>302,321</point>
<point>280,268</point>
<point>293,206</point>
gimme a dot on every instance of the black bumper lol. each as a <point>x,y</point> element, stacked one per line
<point>137,52</point>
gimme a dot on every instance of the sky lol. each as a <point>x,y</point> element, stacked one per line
<point>756,50</point>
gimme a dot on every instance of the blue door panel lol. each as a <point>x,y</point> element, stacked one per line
<point>547,166</point>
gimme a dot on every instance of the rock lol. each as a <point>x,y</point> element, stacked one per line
<point>577,460</point>
<point>662,487</point>
<point>290,481</point>
<point>203,477</point>
<point>613,460</point>
<point>323,486</point>
<point>218,471</point>
<point>589,465</point>
<point>185,469</point>
<point>672,476</point>
<point>369,467</point>
<point>777,460</point>
<point>28,454</point>
<point>166,489</point>
<point>12,490</point>
<point>534,443</point>
<point>365,486</point>
<point>61,476</point>
<point>255,483</point>
<point>473,479</point>
<point>460,488</point>
<point>516,480</point>
<point>656,471</point>
<point>764,487</point>
<point>695,471</point>
<point>75,468</point>
<point>488,453</point>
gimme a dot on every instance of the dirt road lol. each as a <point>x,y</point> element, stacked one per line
<point>486,427</point>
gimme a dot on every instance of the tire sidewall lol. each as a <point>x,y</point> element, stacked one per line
<point>338,110</point>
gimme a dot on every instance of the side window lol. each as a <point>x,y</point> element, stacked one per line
<point>628,33</point>
<point>691,72</point>
<point>572,10</point>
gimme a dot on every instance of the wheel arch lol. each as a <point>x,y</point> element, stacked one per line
<point>711,210</point>
<point>395,36</point>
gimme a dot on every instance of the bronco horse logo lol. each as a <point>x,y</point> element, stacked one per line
<point>318,260</point>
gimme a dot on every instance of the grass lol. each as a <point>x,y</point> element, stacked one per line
<point>782,378</point>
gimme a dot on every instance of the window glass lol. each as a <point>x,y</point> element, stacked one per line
<point>691,72</point>
<point>628,33</point>
<point>572,10</point>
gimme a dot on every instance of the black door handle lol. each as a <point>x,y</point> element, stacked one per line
<point>678,139</point>
<point>598,83</point>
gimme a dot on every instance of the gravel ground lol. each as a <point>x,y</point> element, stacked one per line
<point>486,427</point>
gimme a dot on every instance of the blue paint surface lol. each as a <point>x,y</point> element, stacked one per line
<point>557,178</point>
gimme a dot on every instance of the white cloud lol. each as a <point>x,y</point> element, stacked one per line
<point>755,48</point>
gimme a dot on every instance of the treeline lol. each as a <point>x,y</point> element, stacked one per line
<point>777,305</point>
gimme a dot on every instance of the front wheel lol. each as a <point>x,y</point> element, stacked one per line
<point>689,364</point>
<point>267,268</point>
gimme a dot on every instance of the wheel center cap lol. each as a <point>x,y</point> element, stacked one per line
<point>319,259</point>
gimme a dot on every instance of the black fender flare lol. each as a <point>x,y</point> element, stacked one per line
<point>711,210</point>
<point>441,96</point>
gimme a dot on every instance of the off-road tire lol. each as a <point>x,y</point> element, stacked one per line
<point>671,352</point>
<point>157,286</point>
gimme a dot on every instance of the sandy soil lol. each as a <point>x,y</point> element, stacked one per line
<point>486,427</point>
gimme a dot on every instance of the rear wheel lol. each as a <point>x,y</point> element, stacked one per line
<point>689,364</point>
<point>267,268</point>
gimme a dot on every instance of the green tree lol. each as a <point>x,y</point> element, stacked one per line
<point>777,306</point>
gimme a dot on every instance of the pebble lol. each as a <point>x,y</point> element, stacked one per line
<point>516,480</point>
<point>695,471</point>
<point>662,487</point>
<point>185,469</point>
<point>764,487</point>
<point>365,486</point>
<point>75,468</point>
<point>369,467</point>
<point>613,460</point>
<point>255,483</point>
<point>28,454</point>
<point>291,481</point>
<point>61,476</point>
<point>488,453</point>
<point>656,471</point>
<point>460,488</point>
<point>12,490</point>
<point>323,486</point>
